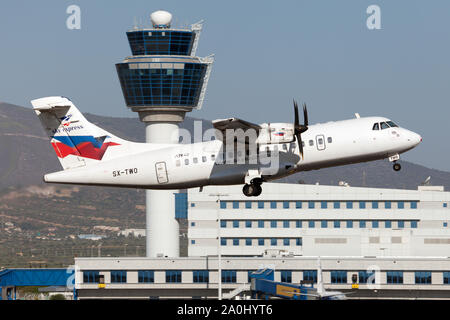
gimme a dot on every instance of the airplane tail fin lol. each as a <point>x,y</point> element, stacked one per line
<point>76,141</point>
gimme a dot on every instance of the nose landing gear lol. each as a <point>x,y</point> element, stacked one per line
<point>397,167</point>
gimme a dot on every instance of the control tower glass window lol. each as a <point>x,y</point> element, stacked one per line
<point>167,42</point>
<point>154,85</point>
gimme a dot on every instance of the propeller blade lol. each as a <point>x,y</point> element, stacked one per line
<point>305,115</point>
<point>300,144</point>
<point>296,119</point>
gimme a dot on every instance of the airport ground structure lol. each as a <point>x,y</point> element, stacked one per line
<point>392,243</point>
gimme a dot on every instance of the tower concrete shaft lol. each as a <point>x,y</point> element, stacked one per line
<point>162,229</point>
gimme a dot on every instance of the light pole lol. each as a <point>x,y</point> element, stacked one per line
<point>219,245</point>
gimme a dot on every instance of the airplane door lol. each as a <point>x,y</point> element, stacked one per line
<point>161,172</point>
<point>320,142</point>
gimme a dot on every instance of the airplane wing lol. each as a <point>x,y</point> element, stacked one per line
<point>234,123</point>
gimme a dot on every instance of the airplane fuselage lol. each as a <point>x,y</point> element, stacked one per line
<point>199,164</point>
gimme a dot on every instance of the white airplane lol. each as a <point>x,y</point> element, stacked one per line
<point>90,155</point>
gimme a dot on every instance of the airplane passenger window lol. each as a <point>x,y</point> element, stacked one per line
<point>195,160</point>
<point>330,140</point>
<point>303,143</point>
<point>186,161</point>
<point>213,157</point>
<point>178,163</point>
<point>284,147</point>
<point>204,159</point>
<point>392,124</point>
<point>384,126</point>
<point>311,142</point>
<point>320,141</point>
<point>376,127</point>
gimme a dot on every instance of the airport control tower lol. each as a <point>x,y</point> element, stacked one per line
<point>162,80</point>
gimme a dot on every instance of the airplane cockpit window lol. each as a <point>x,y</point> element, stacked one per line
<point>376,126</point>
<point>392,124</point>
<point>384,125</point>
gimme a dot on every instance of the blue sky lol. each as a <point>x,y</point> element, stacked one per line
<point>266,53</point>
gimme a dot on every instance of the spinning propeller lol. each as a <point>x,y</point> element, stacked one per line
<point>300,128</point>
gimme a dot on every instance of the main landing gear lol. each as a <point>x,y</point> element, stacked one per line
<point>253,189</point>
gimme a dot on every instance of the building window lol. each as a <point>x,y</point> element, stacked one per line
<point>349,205</point>
<point>298,241</point>
<point>401,224</point>
<point>337,224</point>
<point>260,223</point>
<point>286,205</point>
<point>443,224</point>
<point>192,224</point>
<point>349,224</point>
<point>362,204</point>
<point>235,224</point>
<point>444,205</point>
<point>146,276</point>
<point>248,205</point>
<point>388,224</point>
<point>387,205</point>
<point>374,204</point>
<point>422,277</point>
<point>192,241</point>
<point>223,224</point>
<point>336,205</point>
<point>298,204</point>
<point>118,276</point>
<point>273,205</point>
<point>362,224</point>
<point>324,224</point>
<point>228,276</point>
<point>260,242</point>
<point>338,276</point>
<point>286,242</point>
<point>310,276</point>
<point>173,276</point>
<point>235,242</point>
<point>323,205</point>
<point>273,242</point>
<point>248,242</point>
<point>394,277</point>
<point>286,224</point>
<point>363,277</point>
<point>286,276</point>
<point>311,224</point>
<point>311,204</point>
<point>260,204</point>
<point>375,224</point>
<point>201,276</point>
<point>248,224</point>
<point>223,241</point>
<point>273,224</point>
<point>413,224</point>
<point>235,204</point>
<point>400,205</point>
<point>91,277</point>
<point>446,275</point>
<point>414,205</point>
<point>298,224</point>
<point>223,205</point>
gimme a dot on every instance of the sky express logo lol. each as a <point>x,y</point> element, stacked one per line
<point>83,146</point>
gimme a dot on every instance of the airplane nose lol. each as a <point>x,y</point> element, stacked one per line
<point>415,138</point>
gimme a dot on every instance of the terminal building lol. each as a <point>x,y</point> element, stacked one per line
<point>395,242</point>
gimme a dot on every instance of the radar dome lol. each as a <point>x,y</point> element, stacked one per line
<point>161,19</point>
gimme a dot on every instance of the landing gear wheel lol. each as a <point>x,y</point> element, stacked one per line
<point>397,166</point>
<point>252,190</point>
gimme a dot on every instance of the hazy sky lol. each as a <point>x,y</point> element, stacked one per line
<point>266,53</point>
